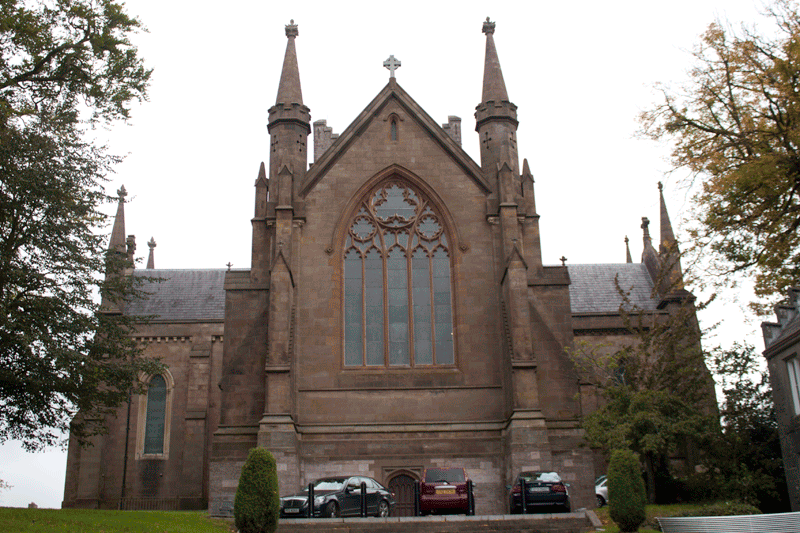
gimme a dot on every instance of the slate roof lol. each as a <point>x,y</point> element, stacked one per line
<point>184,295</point>
<point>197,295</point>
<point>593,289</point>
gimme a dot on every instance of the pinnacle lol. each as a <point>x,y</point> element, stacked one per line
<point>289,90</point>
<point>494,86</point>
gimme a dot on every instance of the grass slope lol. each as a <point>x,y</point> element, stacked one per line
<point>92,521</point>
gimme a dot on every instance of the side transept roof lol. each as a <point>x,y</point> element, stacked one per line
<point>593,288</point>
<point>181,296</point>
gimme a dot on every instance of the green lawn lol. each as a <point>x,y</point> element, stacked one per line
<point>652,511</point>
<point>90,521</point>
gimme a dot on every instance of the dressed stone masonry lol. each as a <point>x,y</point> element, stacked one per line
<point>396,315</point>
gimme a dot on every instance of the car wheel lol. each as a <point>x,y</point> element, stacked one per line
<point>383,509</point>
<point>600,501</point>
<point>331,510</point>
<point>567,507</point>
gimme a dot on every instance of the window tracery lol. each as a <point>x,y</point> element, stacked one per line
<point>397,282</point>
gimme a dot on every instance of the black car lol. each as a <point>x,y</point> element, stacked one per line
<point>339,496</point>
<point>542,489</point>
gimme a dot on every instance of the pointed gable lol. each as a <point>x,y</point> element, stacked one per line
<point>393,93</point>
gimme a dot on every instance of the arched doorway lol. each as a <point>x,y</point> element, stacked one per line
<point>402,485</point>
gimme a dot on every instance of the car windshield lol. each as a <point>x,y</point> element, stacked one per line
<point>329,483</point>
<point>540,477</point>
<point>451,475</point>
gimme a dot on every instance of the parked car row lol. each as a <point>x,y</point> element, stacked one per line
<point>441,490</point>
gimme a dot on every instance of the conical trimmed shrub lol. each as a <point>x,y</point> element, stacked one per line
<point>626,493</point>
<point>257,504</point>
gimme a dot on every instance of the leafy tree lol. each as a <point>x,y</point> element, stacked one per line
<point>656,394</point>
<point>65,67</point>
<point>748,454</point>
<point>257,504</point>
<point>735,127</point>
<point>626,494</point>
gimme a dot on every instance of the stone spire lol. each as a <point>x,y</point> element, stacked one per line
<point>628,258</point>
<point>117,241</point>
<point>668,251</point>
<point>289,91</point>
<point>119,259</point>
<point>289,124</point>
<point>151,262</point>
<point>494,87</point>
<point>496,118</point>
<point>667,236</point>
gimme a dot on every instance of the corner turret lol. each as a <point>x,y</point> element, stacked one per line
<point>289,122</point>
<point>496,117</point>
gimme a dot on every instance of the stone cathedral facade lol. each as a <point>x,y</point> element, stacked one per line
<point>396,315</point>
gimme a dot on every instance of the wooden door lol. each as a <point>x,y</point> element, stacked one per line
<point>403,488</point>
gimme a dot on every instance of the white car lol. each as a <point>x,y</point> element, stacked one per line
<point>601,490</point>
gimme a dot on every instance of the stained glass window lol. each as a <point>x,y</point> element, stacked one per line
<point>397,282</point>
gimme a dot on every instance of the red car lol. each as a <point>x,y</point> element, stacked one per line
<point>444,490</point>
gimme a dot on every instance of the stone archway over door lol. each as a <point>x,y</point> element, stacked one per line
<point>403,488</point>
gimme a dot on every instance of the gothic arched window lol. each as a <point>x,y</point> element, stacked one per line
<point>156,412</point>
<point>397,285</point>
<point>154,418</point>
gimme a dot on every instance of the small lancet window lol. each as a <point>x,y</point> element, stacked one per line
<point>156,413</point>
<point>152,440</point>
<point>393,129</point>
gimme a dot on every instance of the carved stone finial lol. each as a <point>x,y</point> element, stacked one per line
<point>488,26</point>
<point>563,260</point>
<point>229,265</point>
<point>626,239</point>
<point>660,186</point>
<point>151,243</point>
<point>392,64</point>
<point>291,29</point>
<point>646,226</point>
<point>122,193</point>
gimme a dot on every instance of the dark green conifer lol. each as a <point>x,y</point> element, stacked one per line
<point>626,493</point>
<point>257,504</point>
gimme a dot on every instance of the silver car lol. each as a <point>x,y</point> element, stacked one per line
<point>601,490</point>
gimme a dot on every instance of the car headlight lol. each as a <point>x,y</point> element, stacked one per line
<point>318,500</point>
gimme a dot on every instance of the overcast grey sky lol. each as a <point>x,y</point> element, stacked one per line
<point>579,71</point>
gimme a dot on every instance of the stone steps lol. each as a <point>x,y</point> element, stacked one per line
<point>576,522</point>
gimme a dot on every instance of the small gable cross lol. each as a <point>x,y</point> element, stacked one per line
<point>392,64</point>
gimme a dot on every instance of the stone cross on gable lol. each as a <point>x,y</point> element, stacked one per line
<point>392,64</point>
